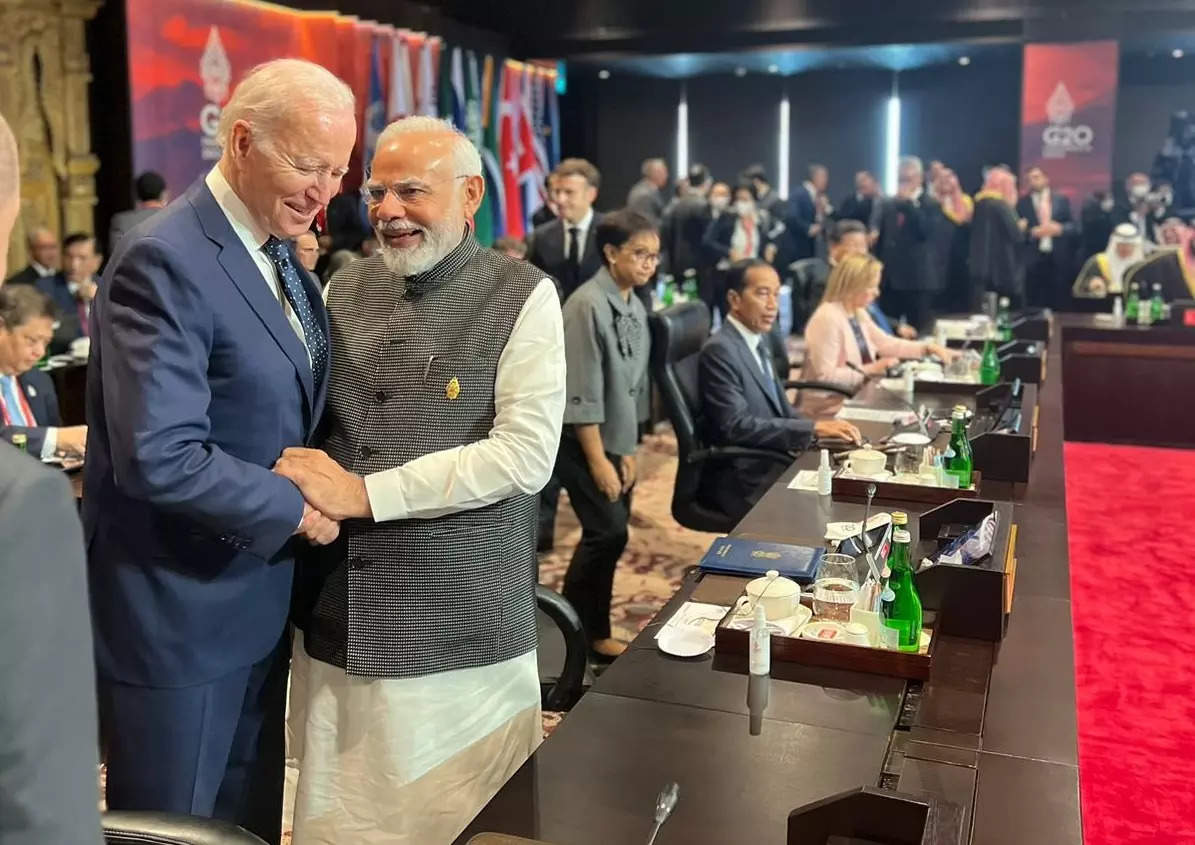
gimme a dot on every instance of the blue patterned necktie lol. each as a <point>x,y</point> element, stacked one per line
<point>296,295</point>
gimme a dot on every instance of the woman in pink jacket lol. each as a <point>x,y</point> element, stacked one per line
<point>842,344</point>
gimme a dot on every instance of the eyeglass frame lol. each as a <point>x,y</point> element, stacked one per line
<point>394,190</point>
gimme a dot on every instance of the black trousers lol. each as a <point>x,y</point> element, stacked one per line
<point>548,498</point>
<point>1042,279</point>
<point>590,577</point>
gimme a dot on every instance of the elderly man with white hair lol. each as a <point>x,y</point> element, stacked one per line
<point>415,690</point>
<point>209,356</point>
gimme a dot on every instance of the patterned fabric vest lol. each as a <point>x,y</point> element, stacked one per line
<point>413,368</point>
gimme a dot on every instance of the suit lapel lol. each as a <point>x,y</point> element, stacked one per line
<point>751,362</point>
<point>244,273</point>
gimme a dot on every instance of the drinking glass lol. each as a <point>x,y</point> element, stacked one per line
<point>836,588</point>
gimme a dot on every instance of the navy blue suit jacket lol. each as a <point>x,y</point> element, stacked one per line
<point>39,392</point>
<point>739,408</point>
<point>68,327</point>
<point>804,215</point>
<point>196,384</point>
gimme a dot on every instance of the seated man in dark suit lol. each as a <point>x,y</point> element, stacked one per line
<point>28,402</point>
<point>565,248</point>
<point>44,258</point>
<point>73,290</point>
<point>742,402</point>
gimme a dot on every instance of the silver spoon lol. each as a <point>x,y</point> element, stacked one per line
<point>871,564</point>
<point>665,804</point>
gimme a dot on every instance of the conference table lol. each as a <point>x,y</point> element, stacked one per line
<point>992,730</point>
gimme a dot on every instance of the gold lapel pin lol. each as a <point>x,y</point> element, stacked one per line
<point>453,389</point>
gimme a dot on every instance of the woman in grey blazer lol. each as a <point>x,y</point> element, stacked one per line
<point>606,348</point>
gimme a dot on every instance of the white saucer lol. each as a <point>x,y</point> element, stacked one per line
<point>910,438</point>
<point>684,641</point>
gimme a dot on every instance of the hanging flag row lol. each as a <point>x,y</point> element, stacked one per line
<point>508,109</point>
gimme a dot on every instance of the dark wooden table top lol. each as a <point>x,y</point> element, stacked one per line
<point>993,729</point>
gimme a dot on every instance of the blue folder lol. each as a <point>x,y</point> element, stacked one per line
<point>739,556</point>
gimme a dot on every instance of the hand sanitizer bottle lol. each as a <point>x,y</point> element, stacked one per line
<point>824,475</point>
<point>760,668</point>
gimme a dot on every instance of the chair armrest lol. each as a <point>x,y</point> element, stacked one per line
<point>729,453</point>
<point>819,385</point>
<point>125,827</point>
<point>568,685</point>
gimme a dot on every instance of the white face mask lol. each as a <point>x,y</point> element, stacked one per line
<point>1139,190</point>
<point>744,208</point>
<point>719,202</point>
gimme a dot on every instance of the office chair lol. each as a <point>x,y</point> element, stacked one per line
<point>805,294</point>
<point>561,693</point>
<point>677,335</point>
<point>122,827</point>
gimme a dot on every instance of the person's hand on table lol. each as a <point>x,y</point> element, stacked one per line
<point>605,476</point>
<point>837,430</point>
<point>629,472</point>
<point>880,366</point>
<point>317,528</point>
<point>945,354</point>
<point>330,489</point>
<point>906,331</point>
<point>72,441</point>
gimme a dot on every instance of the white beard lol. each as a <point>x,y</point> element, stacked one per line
<point>437,242</point>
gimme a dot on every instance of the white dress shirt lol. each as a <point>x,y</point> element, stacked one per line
<point>582,227</point>
<point>254,238</point>
<point>520,452</point>
<point>1039,199</point>
<point>41,271</point>
<point>753,340</point>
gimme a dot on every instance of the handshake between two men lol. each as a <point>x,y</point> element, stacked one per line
<point>330,493</point>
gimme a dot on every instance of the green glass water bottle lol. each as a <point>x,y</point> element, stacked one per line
<point>1157,305</point>
<point>1132,304</point>
<point>1004,320</point>
<point>689,287</point>
<point>989,365</point>
<point>961,461</point>
<point>903,612</point>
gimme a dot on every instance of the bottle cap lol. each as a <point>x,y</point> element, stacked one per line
<point>1004,302</point>
<point>901,536</point>
<point>900,518</point>
<point>959,413</point>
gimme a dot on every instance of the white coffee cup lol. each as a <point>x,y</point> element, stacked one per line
<point>868,462</point>
<point>776,595</point>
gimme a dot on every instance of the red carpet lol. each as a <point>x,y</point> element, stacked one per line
<point>1131,518</point>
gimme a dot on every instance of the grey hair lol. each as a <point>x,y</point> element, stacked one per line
<point>271,91</point>
<point>10,168</point>
<point>648,164</point>
<point>466,160</point>
<point>911,161</point>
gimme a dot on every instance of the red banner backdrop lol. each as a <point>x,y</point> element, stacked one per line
<point>186,56</point>
<point>1068,114</point>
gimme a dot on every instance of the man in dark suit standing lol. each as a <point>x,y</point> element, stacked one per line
<point>73,290</point>
<point>860,205</point>
<point>911,277</point>
<point>647,195</point>
<point>809,212</point>
<point>151,198</point>
<point>47,712</point>
<point>685,223</point>
<point>565,248</point>
<point>1051,226</point>
<point>742,402</point>
<point>44,256</point>
<point>209,357</point>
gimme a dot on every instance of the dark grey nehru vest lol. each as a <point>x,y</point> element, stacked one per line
<point>413,369</point>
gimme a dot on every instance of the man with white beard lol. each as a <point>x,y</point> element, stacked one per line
<point>415,690</point>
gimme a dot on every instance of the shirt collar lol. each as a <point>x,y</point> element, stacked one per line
<point>613,292</point>
<point>41,270</point>
<point>248,231</point>
<point>810,188</point>
<point>752,338</point>
<point>583,224</point>
<point>447,267</point>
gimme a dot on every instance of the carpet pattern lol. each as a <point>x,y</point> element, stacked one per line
<point>1129,511</point>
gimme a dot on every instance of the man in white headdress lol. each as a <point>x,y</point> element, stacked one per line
<point>1103,274</point>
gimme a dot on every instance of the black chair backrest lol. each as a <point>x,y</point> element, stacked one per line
<point>677,335</point>
<point>122,827</point>
<point>563,692</point>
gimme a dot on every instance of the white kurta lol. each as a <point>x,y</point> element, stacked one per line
<point>412,760</point>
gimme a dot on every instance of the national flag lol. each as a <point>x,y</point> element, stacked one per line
<point>375,109</point>
<point>402,89</point>
<point>552,124</point>
<point>511,146</point>
<point>533,161</point>
<point>491,101</point>
<point>425,97</point>
<point>452,88</point>
<point>483,220</point>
